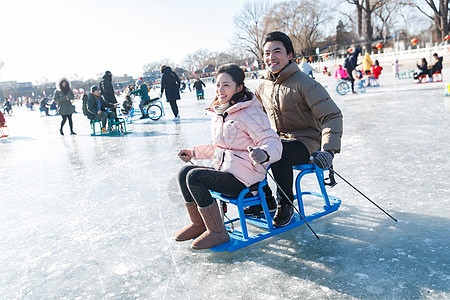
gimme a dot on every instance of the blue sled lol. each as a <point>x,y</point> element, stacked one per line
<point>241,239</point>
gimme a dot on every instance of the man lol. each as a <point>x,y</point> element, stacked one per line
<point>198,85</point>
<point>437,66</point>
<point>142,90</point>
<point>96,107</point>
<point>107,90</point>
<point>303,114</point>
<point>350,63</point>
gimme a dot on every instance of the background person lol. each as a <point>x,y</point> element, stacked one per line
<point>96,107</point>
<point>350,63</point>
<point>107,90</point>
<point>170,82</point>
<point>198,86</point>
<point>142,91</point>
<point>63,97</point>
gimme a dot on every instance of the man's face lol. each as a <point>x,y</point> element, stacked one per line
<point>97,93</point>
<point>275,56</point>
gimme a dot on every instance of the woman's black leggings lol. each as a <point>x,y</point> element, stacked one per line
<point>196,181</point>
<point>174,106</point>
<point>64,118</point>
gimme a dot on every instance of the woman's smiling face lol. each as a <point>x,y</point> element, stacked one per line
<point>226,87</point>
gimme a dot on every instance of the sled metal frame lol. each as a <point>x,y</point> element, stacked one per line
<point>114,128</point>
<point>200,95</point>
<point>242,239</point>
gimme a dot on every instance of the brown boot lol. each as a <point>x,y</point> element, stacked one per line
<point>196,228</point>
<point>216,232</point>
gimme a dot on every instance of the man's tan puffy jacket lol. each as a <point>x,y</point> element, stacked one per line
<point>300,108</point>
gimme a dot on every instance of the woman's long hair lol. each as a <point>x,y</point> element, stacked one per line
<point>64,89</point>
<point>238,76</point>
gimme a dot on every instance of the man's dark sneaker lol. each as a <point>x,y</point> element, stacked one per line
<point>144,116</point>
<point>283,216</point>
<point>257,210</point>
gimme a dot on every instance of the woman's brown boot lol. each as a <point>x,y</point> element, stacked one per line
<point>216,232</point>
<point>196,228</point>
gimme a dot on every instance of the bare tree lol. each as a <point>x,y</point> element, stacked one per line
<point>196,60</point>
<point>359,13</point>
<point>251,26</point>
<point>385,15</point>
<point>301,20</point>
<point>439,16</point>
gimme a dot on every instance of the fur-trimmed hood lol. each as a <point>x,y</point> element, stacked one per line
<point>58,83</point>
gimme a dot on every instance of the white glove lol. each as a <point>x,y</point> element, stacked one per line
<point>258,155</point>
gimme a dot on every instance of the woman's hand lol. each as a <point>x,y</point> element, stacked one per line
<point>258,155</point>
<point>186,155</point>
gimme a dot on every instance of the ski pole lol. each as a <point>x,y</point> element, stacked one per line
<point>333,171</point>
<point>290,202</point>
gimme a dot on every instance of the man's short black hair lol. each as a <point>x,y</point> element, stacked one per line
<point>281,37</point>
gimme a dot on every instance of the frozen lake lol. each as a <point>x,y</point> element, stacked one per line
<point>94,217</point>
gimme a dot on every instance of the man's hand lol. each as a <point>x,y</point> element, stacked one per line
<point>323,159</point>
<point>99,112</point>
<point>186,155</point>
<point>258,155</point>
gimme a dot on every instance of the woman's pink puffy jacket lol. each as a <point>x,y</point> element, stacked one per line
<point>243,124</point>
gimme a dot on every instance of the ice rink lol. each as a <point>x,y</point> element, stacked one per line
<point>87,217</point>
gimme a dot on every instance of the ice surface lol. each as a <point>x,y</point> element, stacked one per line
<point>94,217</point>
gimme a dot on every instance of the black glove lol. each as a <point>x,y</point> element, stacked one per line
<point>323,159</point>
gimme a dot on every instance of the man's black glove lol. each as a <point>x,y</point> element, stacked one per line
<point>323,159</point>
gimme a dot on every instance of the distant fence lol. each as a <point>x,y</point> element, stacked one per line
<point>407,58</point>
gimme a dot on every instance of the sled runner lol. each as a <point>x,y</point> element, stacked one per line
<point>114,127</point>
<point>241,239</point>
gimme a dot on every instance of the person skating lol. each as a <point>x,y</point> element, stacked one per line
<point>142,90</point>
<point>239,122</point>
<point>303,114</point>
<point>170,82</point>
<point>63,97</point>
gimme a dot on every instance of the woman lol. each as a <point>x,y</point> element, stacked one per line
<point>170,82</point>
<point>422,69</point>
<point>239,123</point>
<point>63,98</point>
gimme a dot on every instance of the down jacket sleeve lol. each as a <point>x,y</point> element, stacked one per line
<point>327,113</point>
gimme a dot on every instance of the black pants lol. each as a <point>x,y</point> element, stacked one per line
<point>294,153</point>
<point>196,181</point>
<point>174,106</point>
<point>350,76</point>
<point>104,116</point>
<point>64,118</point>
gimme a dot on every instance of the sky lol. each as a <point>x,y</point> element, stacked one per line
<point>48,39</point>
